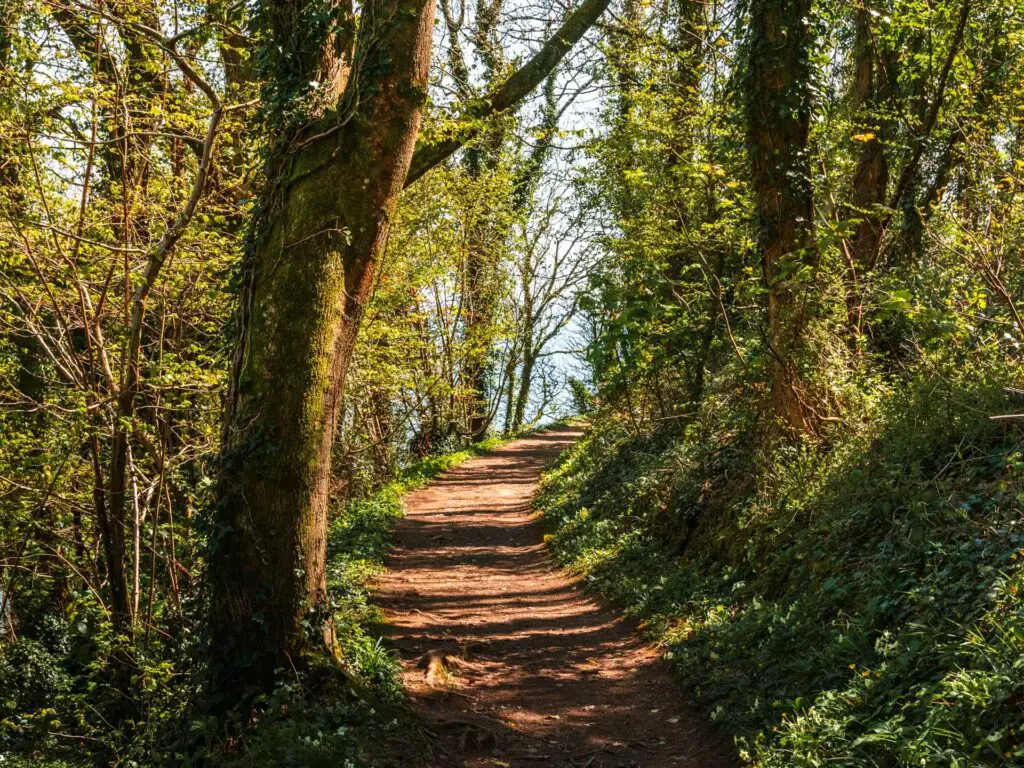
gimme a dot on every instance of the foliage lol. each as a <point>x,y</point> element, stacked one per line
<point>856,606</point>
<point>843,587</point>
<point>825,532</point>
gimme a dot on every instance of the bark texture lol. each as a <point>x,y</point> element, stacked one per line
<point>325,220</point>
<point>778,120</point>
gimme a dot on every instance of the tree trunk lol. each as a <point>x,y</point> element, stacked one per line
<point>715,310</point>
<point>529,356</point>
<point>483,255</point>
<point>871,89</point>
<point>11,198</point>
<point>778,120</point>
<point>309,273</point>
<point>511,363</point>
<point>522,399</point>
<point>481,287</point>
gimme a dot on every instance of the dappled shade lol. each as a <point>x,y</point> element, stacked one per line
<point>530,659</point>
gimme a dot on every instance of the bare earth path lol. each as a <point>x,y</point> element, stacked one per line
<point>505,657</point>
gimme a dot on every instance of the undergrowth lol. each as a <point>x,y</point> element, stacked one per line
<point>55,678</point>
<point>853,605</point>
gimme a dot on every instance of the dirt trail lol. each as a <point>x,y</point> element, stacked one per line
<point>508,661</point>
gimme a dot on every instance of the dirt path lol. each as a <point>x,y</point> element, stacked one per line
<point>504,656</point>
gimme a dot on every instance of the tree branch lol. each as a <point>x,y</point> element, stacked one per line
<point>513,90</point>
<point>933,115</point>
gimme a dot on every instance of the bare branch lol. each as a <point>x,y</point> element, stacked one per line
<point>519,84</point>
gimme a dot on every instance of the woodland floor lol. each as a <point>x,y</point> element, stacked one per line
<point>505,658</point>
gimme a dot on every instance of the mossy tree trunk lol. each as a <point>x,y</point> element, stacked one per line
<point>482,291</point>
<point>11,197</point>
<point>482,286</point>
<point>871,91</point>
<point>778,122</point>
<point>325,215</point>
<point>486,238</point>
<point>691,22</point>
<point>529,354</point>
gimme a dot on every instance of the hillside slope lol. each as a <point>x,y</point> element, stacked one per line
<point>857,605</point>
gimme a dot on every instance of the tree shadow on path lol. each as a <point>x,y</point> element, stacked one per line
<point>506,658</point>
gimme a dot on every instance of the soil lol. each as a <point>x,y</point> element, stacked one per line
<point>506,658</point>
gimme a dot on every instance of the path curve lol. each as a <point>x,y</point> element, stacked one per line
<point>504,656</point>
